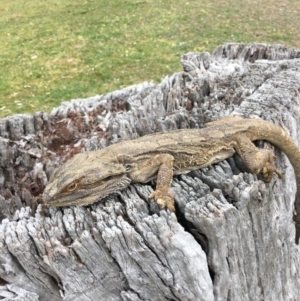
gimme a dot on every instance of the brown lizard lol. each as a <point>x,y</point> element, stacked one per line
<point>89,177</point>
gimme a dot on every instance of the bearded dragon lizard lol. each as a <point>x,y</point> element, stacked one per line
<point>89,177</point>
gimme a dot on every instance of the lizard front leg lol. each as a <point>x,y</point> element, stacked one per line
<point>162,166</point>
<point>257,160</point>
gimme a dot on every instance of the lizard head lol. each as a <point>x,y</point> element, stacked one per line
<point>83,180</point>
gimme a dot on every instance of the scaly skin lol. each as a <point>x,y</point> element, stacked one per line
<point>89,177</point>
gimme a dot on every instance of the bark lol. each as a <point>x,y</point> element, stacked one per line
<point>232,237</point>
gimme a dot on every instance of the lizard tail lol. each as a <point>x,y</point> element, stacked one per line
<point>280,138</point>
<point>289,147</point>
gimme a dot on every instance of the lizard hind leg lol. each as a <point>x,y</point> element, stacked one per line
<point>257,160</point>
<point>270,168</point>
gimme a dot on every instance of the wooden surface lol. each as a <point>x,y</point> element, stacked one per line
<point>232,237</point>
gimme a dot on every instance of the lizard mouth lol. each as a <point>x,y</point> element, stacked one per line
<point>88,194</point>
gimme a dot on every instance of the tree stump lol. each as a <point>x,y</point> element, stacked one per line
<point>232,237</point>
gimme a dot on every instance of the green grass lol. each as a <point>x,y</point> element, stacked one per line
<point>56,50</point>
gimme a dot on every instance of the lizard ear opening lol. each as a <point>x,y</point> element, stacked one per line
<point>128,167</point>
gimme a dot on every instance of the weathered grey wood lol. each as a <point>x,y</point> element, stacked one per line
<point>233,235</point>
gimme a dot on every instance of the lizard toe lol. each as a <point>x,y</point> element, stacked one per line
<point>268,172</point>
<point>164,199</point>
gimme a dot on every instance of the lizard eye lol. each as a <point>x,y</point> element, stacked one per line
<point>72,187</point>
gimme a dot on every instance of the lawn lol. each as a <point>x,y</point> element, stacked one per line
<point>55,50</point>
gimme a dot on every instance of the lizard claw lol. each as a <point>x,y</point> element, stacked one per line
<point>164,199</point>
<point>269,170</point>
